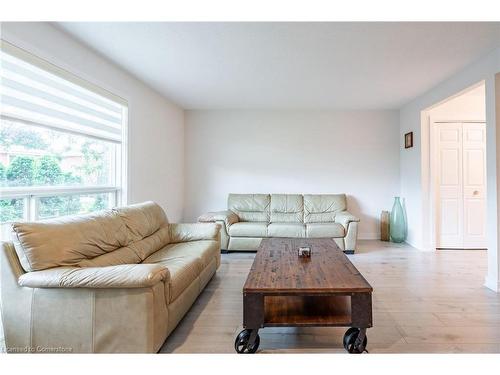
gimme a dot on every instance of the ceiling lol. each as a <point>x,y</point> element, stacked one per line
<point>290,65</point>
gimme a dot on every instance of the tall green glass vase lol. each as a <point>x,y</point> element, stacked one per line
<point>398,222</point>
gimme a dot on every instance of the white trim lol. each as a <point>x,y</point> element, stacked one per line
<point>369,236</point>
<point>492,284</point>
<point>48,66</point>
<point>428,232</point>
<point>30,210</point>
<point>57,128</point>
<point>47,191</point>
<point>122,197</point>
<point>120,170</point>
<point>31,195</point>
<point>433,191</point>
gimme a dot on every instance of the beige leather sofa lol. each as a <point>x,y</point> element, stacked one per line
<point>116,281</point>
<point>252,217</point>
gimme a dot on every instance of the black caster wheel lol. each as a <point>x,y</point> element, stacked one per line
<point>241,344</point>
<point>350,341</point>
<point>347,334</point>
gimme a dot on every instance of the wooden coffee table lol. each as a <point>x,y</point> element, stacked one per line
<point>284,290</point>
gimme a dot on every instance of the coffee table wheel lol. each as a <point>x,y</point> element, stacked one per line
<point>350,341</point>
<point>242,343</point>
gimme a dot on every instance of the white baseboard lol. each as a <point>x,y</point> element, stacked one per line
<point>491,283</point>
<point>368,236</point>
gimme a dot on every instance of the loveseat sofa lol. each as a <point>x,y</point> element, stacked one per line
<point>252,217</point>
<point>116,281</point>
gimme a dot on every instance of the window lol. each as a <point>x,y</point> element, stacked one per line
<point>62,142</point>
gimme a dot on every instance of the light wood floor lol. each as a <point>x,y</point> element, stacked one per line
<point>430,302</point>
<point>425,302</point>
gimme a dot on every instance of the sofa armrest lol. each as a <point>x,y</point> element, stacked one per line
<point>121,276</point>
<point>227,217</point>
<point>344,218</point>
<point>194,232</point>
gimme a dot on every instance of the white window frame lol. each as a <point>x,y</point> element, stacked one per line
<point>31,195</point>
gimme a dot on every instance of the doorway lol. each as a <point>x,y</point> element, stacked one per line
<point>457,132</point>
<point>460,162</point>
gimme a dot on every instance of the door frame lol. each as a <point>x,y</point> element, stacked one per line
<point>433,175</point>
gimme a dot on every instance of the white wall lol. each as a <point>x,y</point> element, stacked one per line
<point>470,105</point>
<point>156,126</point>
<point>415,185</point>
<point>247,151</point>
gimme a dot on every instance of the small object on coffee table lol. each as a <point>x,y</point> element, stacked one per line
<point>304,252</point>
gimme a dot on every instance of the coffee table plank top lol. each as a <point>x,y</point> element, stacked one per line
<point>278,269</point>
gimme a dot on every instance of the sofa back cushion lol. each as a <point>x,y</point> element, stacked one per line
<point>250,207</point>
<point>142,219</point>
<point>68,240</point>
<point>148,231</point>
<point>322,208</point>
<point>119,236</point>
<point>287,208</point>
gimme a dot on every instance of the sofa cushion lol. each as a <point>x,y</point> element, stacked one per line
<point>135,252</point>
<point>204,250</point>
<point>142,219</point>
<point>286,230</point>
<point>123,255</point>
<point>248,229</point>
<point>148,231</point>
<point>250,207</point>
<point>68,240</point>
<point>321,208</point>
<point>287,208</point>
<point>244,243</point>
<point>183,272</point>
<point>184,232</point>
<point>184,269</point>
<point>119,236</point>
<point>122,276</point>
<point>324,230</point>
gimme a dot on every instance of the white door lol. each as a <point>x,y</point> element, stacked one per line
<point>461,182</point>
<point>474,182</point>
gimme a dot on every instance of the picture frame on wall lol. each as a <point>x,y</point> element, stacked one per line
<point>409,140</point>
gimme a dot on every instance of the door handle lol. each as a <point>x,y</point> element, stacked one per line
<point>475,192</point>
